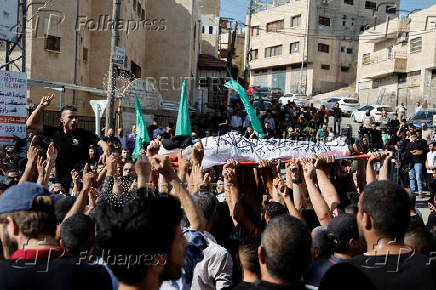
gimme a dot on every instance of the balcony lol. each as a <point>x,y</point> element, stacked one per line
<point>383,63</point>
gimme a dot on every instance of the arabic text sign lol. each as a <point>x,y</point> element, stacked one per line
<point>9,20</point>
<point>13,112</point>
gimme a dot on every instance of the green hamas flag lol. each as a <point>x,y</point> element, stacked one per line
<point>255,122</point>
<point>183,126</point>
<point>141,129</point>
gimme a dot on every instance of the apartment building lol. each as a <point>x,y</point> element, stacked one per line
<point>68,47</point>
<point>210,26</point>
<point>311,45</point>
<point>397,61</point>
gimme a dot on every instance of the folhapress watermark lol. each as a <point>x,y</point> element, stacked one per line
<point>105,23</point>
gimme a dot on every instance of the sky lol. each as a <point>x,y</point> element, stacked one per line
<point>237,9</point>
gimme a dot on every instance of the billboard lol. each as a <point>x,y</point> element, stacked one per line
<point>8,20</point>
<point>13,112</point>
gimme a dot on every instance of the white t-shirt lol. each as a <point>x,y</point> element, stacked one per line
<point>431,160</point>
<point>401,109</point>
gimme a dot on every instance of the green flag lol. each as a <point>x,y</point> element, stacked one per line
<point>183,126</point>
<point>141,129</point>
<point>255,122</point>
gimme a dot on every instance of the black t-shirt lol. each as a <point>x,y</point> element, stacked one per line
<point>406,271</point>
<point>73,149</point>
<point>337,112</point>
<point>65,273</point>
<point>418,145</point>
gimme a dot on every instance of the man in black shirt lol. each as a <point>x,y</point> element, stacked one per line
<point>417,148</point>
<point>71,142</point>
<point>383,219</point>
<point>337,114</point>
<point>284,254</point>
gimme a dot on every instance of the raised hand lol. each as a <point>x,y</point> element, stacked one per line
<point>40,165</point>
<point>46,100</point>
<point>112,165</point>
<point>308,168</point>
<point>88,178</point>
<point>184,167</point>
<point>197,178</point>
<point>162,165</point>
<point>75,177</point>
<point>33,152</point>
<point>198,153</point>
<point>143,166</point>
<point>229,171</point>
<point>52,153</point>
<point>153,148</point>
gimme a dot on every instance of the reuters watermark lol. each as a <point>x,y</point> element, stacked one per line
<point>104,23</point>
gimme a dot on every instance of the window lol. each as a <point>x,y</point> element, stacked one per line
<point>416,45</point>
<point>323,47</point>
<point>85,54</point>
<point>350,2</point>
<point>138,8</point>
<point>366,58</point>
<point>370,5</point>
<point>345,68</point>
<point>342,49</point>
<point>255,30</point>
<point>296,21</point>
<point>295,47</point>
<point>402,78</point>
<point>254,54</point>
<point>142,14</point>
<point>324,21</point>
<point>52,39</point>
<point>52,43</point>
<point>135,69</point>
<point>349,51</point>
<point>202,29</point>
<point>273,51</point>
<point>391,9</point>
<point>275,26</point>
<point>134,4</point>
<point>210,29</point>
<point>325,67</point>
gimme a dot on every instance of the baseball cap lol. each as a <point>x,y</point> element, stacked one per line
<point>20,197</point>
<point>342,228</point>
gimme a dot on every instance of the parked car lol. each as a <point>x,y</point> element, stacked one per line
<point>375,110</point>
<point>299,100</point>
<point>347,105</point>
<point>422,117</point>
<point>264,93</point>
<point>276,93</point>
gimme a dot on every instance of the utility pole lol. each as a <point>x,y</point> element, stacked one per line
<point>231,46</point>
<point>110,122</point>
<point>247,45</point>
<point>305,55</point>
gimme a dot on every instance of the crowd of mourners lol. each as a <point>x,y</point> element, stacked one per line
<point>78,211</point>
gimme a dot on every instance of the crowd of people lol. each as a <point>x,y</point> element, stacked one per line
<point>79,212</point>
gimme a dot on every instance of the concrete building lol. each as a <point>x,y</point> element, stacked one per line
<point>397,62</point>
<point>210,26</point>
<point>321,34</point>
<point>69,47</point>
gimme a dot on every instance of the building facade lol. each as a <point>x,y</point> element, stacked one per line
<point>310,46</point>
<point>397,62</point>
